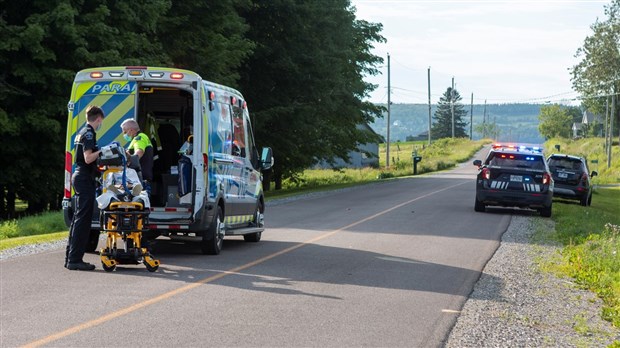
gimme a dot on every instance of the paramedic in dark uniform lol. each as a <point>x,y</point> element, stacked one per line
<point>140,145</point>
<point>83,181</point>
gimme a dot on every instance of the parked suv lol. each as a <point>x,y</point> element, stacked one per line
<point>572,181</point>
<point>514,176</point>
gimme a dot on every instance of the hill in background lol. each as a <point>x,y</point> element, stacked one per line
<point>517,122</point>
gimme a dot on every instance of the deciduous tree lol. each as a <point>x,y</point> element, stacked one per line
<point>554,122</point>
<point>304,82</point>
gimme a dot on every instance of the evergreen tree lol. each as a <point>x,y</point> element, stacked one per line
<point>442,118</point>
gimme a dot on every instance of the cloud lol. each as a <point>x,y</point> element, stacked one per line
<point>529,43</point>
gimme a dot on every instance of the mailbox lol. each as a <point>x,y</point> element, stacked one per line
<point>416,159</point>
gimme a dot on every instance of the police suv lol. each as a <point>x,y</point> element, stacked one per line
<point>207,180</point>
<point>514,176</point>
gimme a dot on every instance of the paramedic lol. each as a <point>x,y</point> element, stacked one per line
<point>83,181</point>
<point>140,145</point>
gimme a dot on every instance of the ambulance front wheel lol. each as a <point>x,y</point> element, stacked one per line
<point>93,241</point>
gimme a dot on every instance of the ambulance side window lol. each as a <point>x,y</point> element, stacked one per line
<point>251,145</point>
<point>219,124</point>
<point>239,133</point>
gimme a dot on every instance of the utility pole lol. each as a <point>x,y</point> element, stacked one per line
<point>611,128</point>
<point>429,105</point>
<point>471,118</point>
<point>389,91</point>
<point>606,125</point>
<point>452,104</point>
<point>484,120</point>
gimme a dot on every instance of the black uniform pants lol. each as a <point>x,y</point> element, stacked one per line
<point>79,233</point>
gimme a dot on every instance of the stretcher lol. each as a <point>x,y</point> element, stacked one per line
<point>124,214</point>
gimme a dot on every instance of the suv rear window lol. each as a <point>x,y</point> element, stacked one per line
<point>518,160</point>
<point>565,163</point>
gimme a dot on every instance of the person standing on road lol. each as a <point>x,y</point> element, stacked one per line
<point>83,182</point>
<point>140,145</point>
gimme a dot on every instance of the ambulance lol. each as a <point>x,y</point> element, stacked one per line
<point>207,174</point>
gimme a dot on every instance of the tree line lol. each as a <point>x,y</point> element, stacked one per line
<point>300,65</point>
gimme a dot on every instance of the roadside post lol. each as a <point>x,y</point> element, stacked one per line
<point>416,159</point>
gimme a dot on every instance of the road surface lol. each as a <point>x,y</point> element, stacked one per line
<point>385,264</point>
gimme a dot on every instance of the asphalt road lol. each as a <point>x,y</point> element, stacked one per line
<point>387,264</point>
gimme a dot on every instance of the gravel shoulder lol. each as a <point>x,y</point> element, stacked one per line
<point>515,304</point>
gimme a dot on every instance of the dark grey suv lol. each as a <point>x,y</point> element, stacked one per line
<point>572,178</point>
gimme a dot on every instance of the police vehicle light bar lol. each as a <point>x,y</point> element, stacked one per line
<point>517,147</point>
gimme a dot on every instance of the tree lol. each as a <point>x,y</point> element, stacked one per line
<point>487,130</point>
<point>442,118</point>
<point>43,44</point>
<point>207,37</point>
<point>554,122</point>
<point>304,83</point>
<point>597,75</point>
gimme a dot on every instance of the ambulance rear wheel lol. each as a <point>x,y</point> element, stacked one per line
<point>213,239</point>
<point>258,222</point>
<point>93,241</point>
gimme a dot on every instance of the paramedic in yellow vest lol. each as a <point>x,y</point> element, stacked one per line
<point>140,145</point>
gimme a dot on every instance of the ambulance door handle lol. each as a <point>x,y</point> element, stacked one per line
<point>223,160</point>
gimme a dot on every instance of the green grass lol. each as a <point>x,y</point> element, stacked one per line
<point>32,229</point>
<point>591,235</point>
<point>442,154</point>
<point>36,239</point>
<point>591,252</point>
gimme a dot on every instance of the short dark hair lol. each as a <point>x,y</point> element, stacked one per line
<point>93,112</point>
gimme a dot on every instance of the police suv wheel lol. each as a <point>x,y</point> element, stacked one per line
<point>479,206</point>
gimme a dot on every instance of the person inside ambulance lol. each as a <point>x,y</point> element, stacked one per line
<point>140,145</point>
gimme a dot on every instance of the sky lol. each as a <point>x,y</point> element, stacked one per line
<point>517,51</point>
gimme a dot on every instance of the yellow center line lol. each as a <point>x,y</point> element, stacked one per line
<point>156,299</point>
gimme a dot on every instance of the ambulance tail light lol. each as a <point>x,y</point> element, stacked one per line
<point>68,165</point>
<point>205,159</point>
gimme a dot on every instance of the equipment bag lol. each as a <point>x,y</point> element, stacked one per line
<point>185,175</point>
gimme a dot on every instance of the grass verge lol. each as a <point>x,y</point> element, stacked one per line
<point>591,247</point>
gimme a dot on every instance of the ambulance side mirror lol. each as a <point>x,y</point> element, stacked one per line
<point>266,159</point>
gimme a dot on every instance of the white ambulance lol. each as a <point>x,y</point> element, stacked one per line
<point>197,125</point>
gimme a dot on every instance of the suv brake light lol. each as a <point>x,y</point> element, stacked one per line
<point>486,173</point>
<point>546,178</point>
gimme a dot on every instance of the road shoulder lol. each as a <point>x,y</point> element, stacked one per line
<point>515,303</point>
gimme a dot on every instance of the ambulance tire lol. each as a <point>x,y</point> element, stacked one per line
<point>255,237</point>
<point>213,239</point>
<point>93,241</point>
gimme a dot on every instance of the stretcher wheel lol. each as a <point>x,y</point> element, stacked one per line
<point>150,268</point>
<point>106,268</point>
